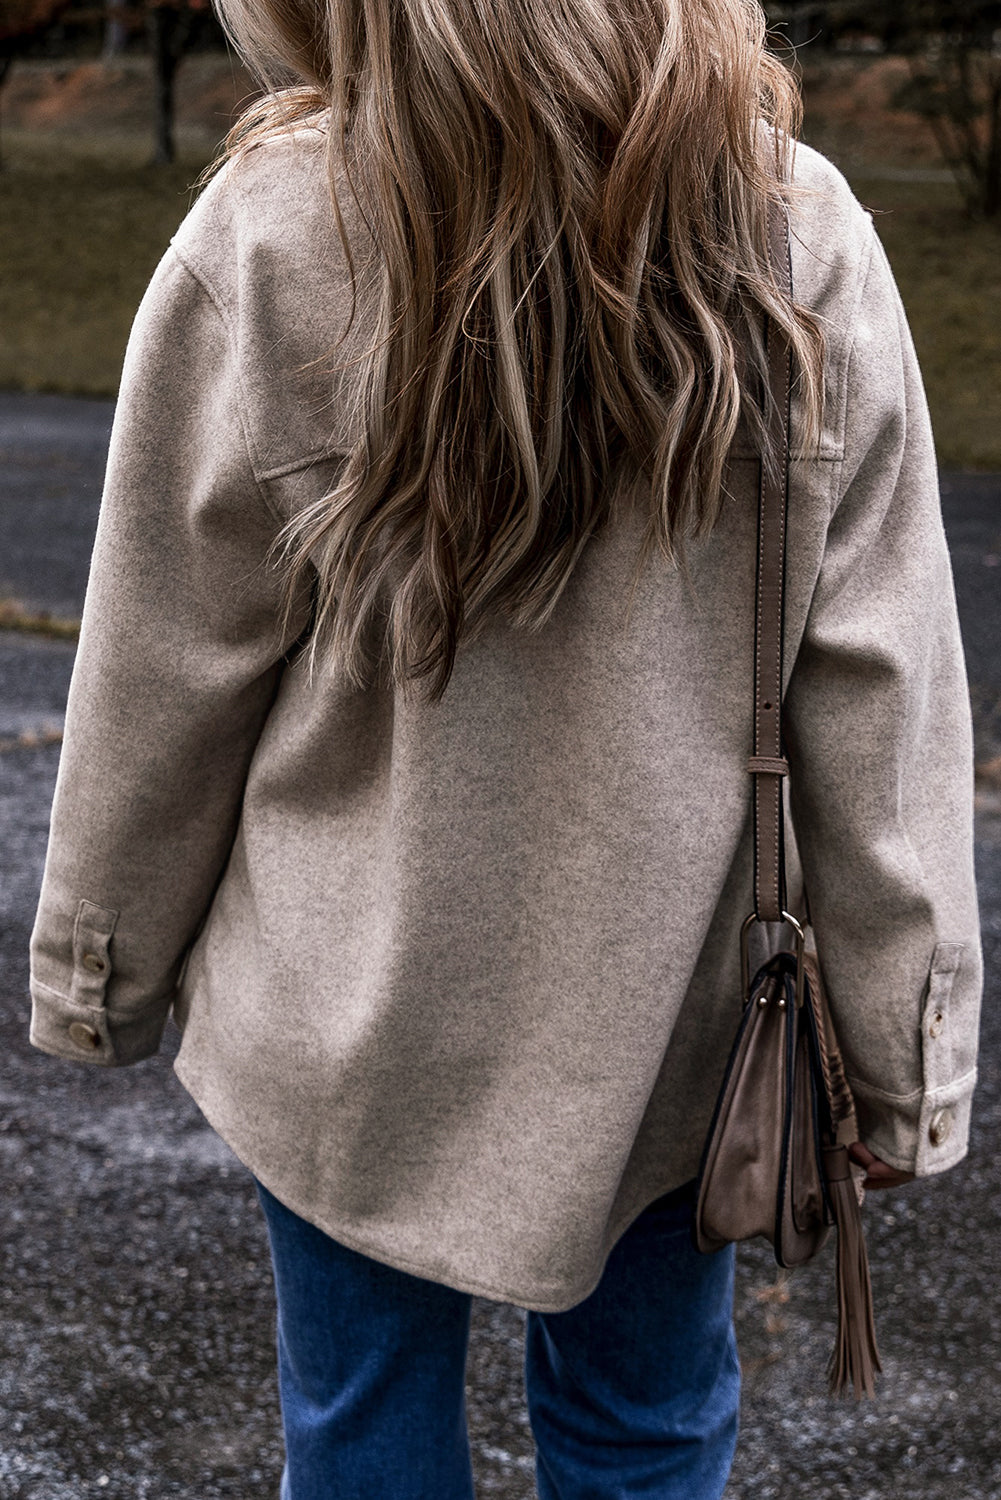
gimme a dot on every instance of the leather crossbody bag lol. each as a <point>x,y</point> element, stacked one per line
<point>775,1162</point>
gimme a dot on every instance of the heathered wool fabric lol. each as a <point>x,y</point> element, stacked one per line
<point>458,982</point>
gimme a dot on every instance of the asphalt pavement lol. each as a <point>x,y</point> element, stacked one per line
<point>137,1319</point>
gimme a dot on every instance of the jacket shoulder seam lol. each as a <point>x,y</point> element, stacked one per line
<point>202,279</point>
<point>861,281</point>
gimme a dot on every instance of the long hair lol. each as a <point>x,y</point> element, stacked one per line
<point>569,200</point>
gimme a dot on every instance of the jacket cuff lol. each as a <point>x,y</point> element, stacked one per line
<point>79,1032</point>
<point>926,1131</point>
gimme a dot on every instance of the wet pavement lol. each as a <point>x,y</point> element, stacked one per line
<point>137,1319</point>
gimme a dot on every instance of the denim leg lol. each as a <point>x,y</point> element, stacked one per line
<point>635,1391</point>
<point>371,1367</point>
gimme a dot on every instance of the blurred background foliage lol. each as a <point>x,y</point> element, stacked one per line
<point>110,109</point>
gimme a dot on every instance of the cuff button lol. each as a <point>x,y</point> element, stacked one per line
<point>940,1127</point>
<point>82,1035</point>
<point>94,963</point>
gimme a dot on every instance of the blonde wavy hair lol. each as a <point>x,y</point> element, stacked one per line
<point>569,199</point>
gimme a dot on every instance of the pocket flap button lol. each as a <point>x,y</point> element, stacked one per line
<point>82,1035</point>
<point>95,963</point>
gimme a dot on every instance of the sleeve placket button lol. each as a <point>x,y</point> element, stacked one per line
<point>82,1035</point>
<point>94,962</point>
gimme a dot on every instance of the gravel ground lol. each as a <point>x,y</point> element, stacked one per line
<point>136,1348</point>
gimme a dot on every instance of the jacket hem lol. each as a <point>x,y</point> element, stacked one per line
<point>346,1233</point>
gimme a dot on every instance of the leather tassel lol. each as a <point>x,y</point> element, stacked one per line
<point>855,1359</point>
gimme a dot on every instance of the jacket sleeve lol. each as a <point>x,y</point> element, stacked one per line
<point>879,733</point>
<point>178,664</point>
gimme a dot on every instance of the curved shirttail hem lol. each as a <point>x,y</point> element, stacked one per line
<point>346,1235</point>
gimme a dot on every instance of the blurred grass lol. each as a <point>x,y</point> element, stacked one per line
<point>85,222</point>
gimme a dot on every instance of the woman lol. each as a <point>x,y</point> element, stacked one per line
<point>405,760</point>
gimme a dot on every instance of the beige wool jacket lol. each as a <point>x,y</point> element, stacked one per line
<point>458,982</point>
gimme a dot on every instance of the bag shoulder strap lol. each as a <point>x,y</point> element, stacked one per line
<point>768,764</point>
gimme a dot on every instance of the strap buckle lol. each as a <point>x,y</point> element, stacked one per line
<point>745,963</point>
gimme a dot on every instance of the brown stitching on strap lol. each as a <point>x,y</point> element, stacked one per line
<point>768,764</point>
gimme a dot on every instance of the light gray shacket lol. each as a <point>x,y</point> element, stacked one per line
<point>458,982</point>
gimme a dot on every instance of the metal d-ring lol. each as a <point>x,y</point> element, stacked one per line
<point>745,965</point>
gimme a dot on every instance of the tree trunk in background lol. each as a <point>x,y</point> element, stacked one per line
<point>803,26</point>
<point>115,34</point>
<point>6,59</point>
<point>992,185</point>
<point>167,27</point>
<point>21,21</point>
<point>955,84</point>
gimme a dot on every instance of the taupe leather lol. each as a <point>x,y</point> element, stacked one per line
<point>768,765</point>
<point>769,862</point>
<point>844,1123</point>
<point>761,1172</point>
<point>775,1162</point>
<point>805,1223</point>
<point>738,1194</point>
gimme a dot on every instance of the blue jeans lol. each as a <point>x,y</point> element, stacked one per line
<point>633,1392</point>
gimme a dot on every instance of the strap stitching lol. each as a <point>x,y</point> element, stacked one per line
<point>772,507</point>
